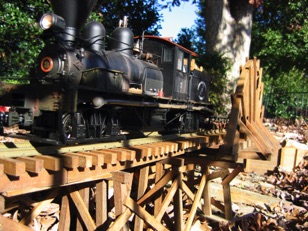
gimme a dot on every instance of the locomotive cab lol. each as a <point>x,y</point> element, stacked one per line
<point>183,80</point>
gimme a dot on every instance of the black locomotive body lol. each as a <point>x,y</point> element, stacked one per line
<point>85,90</point>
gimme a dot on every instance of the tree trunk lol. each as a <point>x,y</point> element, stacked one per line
<point>228,32</point>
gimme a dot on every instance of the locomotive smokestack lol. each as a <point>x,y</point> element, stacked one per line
<point>75,13</point>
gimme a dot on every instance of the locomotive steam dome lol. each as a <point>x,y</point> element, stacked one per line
<point>123,40</point>
<point>94,33</point>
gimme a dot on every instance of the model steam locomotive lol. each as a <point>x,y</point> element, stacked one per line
<point>85,90</point>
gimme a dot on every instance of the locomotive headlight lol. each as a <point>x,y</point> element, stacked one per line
<point>46,64</point>
<point>49,20</point>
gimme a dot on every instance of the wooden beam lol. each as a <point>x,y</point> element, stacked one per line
<point>97,159</point>
<point>7,224</point>
<point>50,162</point>
<point>76,160</point>
<point>231,176</point>
<point>227,202</point>
<point>32,165</point>
<point>101,202</point>
<point>141,212</point>
<point>13,167</point>
<point>168,198</point>
<point>158,175</point>
<point>207,194</point>
<point>82,208</point>
<point>142,186</point>
<point>122,182</point>
<point>178,206</point>
<point>65,216</point>
<point>85,195</point>
<point>195,203</point>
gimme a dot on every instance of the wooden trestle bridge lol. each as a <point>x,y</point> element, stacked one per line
<point>137,184</point>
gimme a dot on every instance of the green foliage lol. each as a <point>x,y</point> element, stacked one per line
<point>20,36</point>
<point>280,40</point>
<point>142,15</point>
<point>217,65</point>
<point>186,38</point>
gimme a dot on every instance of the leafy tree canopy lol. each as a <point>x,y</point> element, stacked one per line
<point>21,38</point>
<point>142,15</point>
<point>280,40</point>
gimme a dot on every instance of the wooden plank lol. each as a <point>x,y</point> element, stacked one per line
<point>13,167</point>
<point>195,202</point>
<point>70,161</point>
<point>159,185</point>
<point>232,175</point>
<point>121,154</point>
<point>207,194</point>
<point>82,209</point>
<point>1,169</point>
<point>232,127</point>
<point>153,150</point>
<point>32,165</point>
<point>85,195</point>
<point>123,218</point>
<point>7,224</point>
<point>227,202</point>
<point>120,221</point>
<point>273,142</point>
<point>130,154</point>
<point>167,200</point>
<point>101,202</point>
<point>109,157</point>
<point>122,186</point>
<point>141,212</point>
<point>2,205</point>
<point>65,216</point>
<point>97,159</point>
<point>50,162</point>
<point>287,158</point>
<point>158,175</point>
<point>77,160</point>
<point>222,174</point>
<point>253,134</point>
<point>142,151</point>
<point>142,186</point>
<point>178,206</point>
<point>217,204</point>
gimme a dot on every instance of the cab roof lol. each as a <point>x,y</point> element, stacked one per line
<point>168,41</point>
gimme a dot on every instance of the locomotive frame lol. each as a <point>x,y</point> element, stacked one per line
<point>85,92</point>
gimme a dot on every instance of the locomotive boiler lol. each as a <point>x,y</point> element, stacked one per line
<point>90,86</point>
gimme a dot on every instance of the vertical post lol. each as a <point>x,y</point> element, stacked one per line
<point>65,216</point>
<point>159,174</point>
<point>85,194</point>
<point>101,202</point>
<point>227,201</point>
<point>206,195</point>
<point>122,182</point>
<point>142,186</point>
<point>178,206</point>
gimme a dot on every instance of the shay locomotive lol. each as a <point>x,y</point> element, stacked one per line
<point>86,90</point>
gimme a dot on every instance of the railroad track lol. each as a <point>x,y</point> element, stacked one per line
<point>26,168</point>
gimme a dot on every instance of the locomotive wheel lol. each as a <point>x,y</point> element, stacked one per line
<point>67,126</point>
